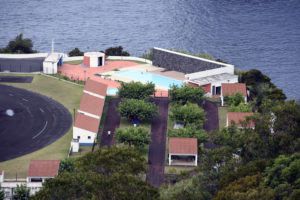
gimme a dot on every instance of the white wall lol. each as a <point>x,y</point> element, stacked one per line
<point>228,69</point>
<point>84,135</point>
<point>32,55</point>
<point>93,94</point>
<point>49,68</point>
<point>89,114</point>
<point>73,58</point>
<point>129,58</point>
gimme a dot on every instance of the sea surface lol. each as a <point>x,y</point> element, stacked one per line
<point>262,34</point>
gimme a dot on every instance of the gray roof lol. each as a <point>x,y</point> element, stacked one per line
<point>213,78</point>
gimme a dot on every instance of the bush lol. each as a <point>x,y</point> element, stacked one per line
<point>136,90</point>
<point>116,51</point>
<point>75,52</point>
<point>136,136</point>
<point>186,93</point>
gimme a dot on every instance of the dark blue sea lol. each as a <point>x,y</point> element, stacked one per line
<point>262,34</point>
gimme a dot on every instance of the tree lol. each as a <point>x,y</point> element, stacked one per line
<point>234,100</point>
<point>136,90</point>
<point>186,93</point>
<point>246,188</point>
<point>21,193</point>
<point>2,193</point>
<point>107,173</point>
<point>116,51</point>
<point>137,109</point>
<point>67,164</point>
<point>75,52</point>
<point>136,136</point>
<point>19,45</point>
<point>188,114</point>
<point>242,107</point>
<point>190,132</point>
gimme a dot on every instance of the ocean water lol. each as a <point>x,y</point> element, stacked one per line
<point>262,34</point>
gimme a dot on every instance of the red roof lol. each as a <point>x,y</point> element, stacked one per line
<point>233,88</point>
<point>91,104</point>
<point>87,123</point>
<point>0,172</point>
<point>239,116</point>
<point>43,168</point>
<point>95,87</point>
<point>183,145</point>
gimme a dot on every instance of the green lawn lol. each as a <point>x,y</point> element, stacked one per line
<point>67,94</point>
<point>82,151</point>
<point>74,62</point>
<point>222,116</point>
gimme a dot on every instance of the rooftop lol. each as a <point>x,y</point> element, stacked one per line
<point>53,57</point>
<point>91,104</point>
<point>239,116</point>
<point>183,145</point>
<point>233,88</point>
<point>0,172</point>
<point>95,87</point>
<point>87,123</point>
<point>43,168</point>
<point>213,78</point>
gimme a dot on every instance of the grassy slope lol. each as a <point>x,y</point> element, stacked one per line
<point>67,94</point>
<point>222,116</point>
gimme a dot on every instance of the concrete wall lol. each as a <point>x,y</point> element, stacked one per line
<point>22,64</point>
<point>181,62</point>
<point>84,134</point>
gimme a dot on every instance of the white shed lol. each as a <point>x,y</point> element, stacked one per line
<point>51,62</point>
<point>93,59</point>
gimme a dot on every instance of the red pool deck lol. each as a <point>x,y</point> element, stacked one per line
<point>76,72</point>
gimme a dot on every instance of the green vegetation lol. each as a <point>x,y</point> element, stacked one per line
<point>56,90</point>
<point>61,76</point>
<point>75,52</point>
<point>136,90</point>
<point>2,193</point>
<point>73,62</point>
<point>222,116</point>
<point>137,109</point>
<point>107,173</point>
<point>136,136</point>
<point>116,51</point>
<point>148,55</point>
<point>190,132</point>
<point>67,165</point>
<point>21,192</point>
<point>186,93</point>
<point>19,45</point>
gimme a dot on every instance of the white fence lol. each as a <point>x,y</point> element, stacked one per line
<point>129,58</point>
<point>73,58</point>
<point>32,55</point>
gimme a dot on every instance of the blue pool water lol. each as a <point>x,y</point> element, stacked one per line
<point>145,77</point>
<point>111,91</point>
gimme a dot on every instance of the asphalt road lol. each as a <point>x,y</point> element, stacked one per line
<point>37,121</point>
<point>212,122</point>
<point>157,148</point>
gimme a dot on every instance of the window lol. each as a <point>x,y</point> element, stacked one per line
<point>78,137</point>
<point>89,137</point>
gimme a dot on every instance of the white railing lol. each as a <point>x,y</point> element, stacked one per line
<point>32,55</point>
<point>129,58</point>
<point>73,58</point>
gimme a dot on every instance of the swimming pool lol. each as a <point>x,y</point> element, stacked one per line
<point>111,91</point>
<point>145,77</point>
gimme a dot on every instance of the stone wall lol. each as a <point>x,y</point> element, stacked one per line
<point>181,63</point>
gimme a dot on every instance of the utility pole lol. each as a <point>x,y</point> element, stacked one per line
<point>52,46</point>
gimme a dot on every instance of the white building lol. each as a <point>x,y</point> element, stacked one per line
<point>38,172</point>
<point>93,59</point>
<point>51,63</point>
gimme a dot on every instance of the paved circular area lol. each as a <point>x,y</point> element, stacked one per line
<point>29,121</point>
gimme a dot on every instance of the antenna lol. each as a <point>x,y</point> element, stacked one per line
<point>52,46</point>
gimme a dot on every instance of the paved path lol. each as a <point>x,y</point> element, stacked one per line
<point>112,122</point>
<point>156,157</point>
<point>37,122</point>
<point>212,122</point>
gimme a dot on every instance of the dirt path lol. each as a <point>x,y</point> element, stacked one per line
<point>156,156</point>
<point>111,123</point>
<point>212,122</point>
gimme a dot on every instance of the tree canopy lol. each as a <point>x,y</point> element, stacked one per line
<point>190,132</point>
<point>186,93</point>
<point>136,90</point>
<point>107,173</point>
<point>19,45</point>
<point>137,109</point>
<point>136,136</point>
<point>67,165</point>
<point>21,192</point>
<point>75,52</point>
<point>116,51</point>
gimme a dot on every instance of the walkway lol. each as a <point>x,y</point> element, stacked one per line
<point>112,122</point>
<point>157,149</point>
<point>212,122</point>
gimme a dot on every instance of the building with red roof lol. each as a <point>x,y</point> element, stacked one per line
<point>91,105</point>
<point>231,89</point>
<point>40,170</point>
<point>183,151</point>
<point>237,118</point>
<point>85,129</point>
<point>95,88</point>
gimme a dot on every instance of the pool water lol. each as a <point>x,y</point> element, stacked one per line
<point>145,77</point>
<point>112,91</point>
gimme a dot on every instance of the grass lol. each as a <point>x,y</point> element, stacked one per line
<point>82,151</point>
<point>222,116</point>
<point>135,61</point>
<point>74,62</point>
<point>67,94</point>
<point>60,76</point>
<point>177,169</point>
